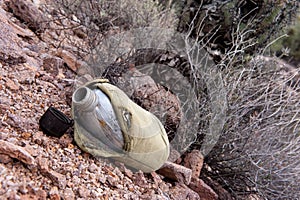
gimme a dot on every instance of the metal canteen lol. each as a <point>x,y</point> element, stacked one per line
<point>94,112</point>
<point>100,131</point>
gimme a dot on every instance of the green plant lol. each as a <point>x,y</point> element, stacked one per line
<point>219,23</point>
<point>288,47</point>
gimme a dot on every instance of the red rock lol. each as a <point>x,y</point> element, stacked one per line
<point>70,59</point>
<point>93,168</point>
<point>156,178</point>
<point>65,140</point>
<point>54,194</point>
<point>204,191</point>
<point>83,192</point>
<point>57,178</point>
<point>125,170</point>
<point>194,161</point>
<point>11,84</point>
<point>68,194</point>
<point>222,193</point>
<point>181,191</point>
<point>4,108</point>
<point>38,195</point>
<point>26,135</point>
<point>43,164</point>
<point>5,158</point>
<point>10,52</point>
<point>34,152</point>
<point>176,172</point>
<point>118,172</point>
<point>112,180</point>
<point>41,194</point>
<point>38,137</point>
<point>29,13</point>
<point>139,179</point>
<point>23,189</point>
<point>102,178</point>
<point>17,152</point>
<point>52,64</point>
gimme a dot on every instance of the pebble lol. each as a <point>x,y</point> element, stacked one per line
<point>83,192</point>
<point>17,152</point>
<point>54,194</point>
<point>93,168</point>
<point>11,85</point>
<point>68,194</point>
<point>5,158</point>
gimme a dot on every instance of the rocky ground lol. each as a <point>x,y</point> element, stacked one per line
<point>39,58</point>
<point>34,75</point>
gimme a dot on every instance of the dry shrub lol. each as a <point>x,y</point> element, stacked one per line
<point>95,19</point>
<point>259,149</point>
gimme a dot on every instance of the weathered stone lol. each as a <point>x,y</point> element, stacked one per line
<point>23,189</point>
<point>11,84</point>
<point>38,137</point>
<point>156,178</point>
<point>54,194</point>
<point>181,191</point>
<point>139,179</point>
<point>52,64</point>
<point>33,151</point>
<point>10,51</point>
<point>204,191</point>
<point>118,172</point>
<point>93,168</point>
<point>5,158</point>
<point>37,195</point>
<point>29,197</point>
<point>68,194</point>
<point>17,152</point>
<point>113,181</point>
<point>15,120</point>
<point>65,140</point>
<point>57,178</point>
<point>222,193</point>
<point>125,170</point>
<point>28,13</point>
<point>83,192</point>
<point>72,62</point>
<point>194,161</point>
<point>41,194</point>
<point>102,178</point>
<point>4,108</point>
<point>176,172</point>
